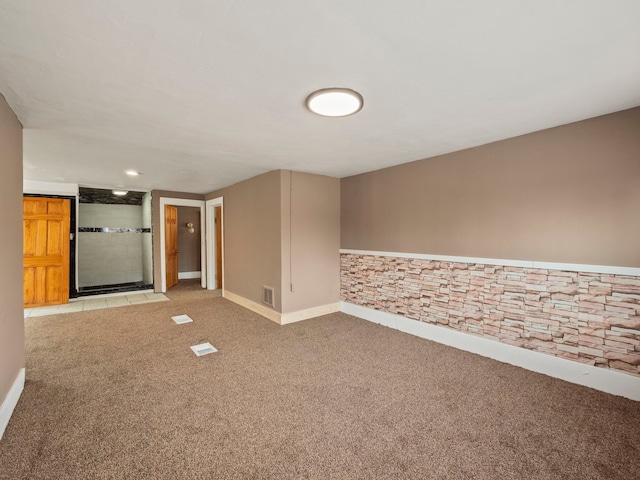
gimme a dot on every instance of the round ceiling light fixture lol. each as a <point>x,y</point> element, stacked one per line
<point>335,102</point>
<point>133,173</point>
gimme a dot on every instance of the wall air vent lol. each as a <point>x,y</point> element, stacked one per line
<point>267,296</point>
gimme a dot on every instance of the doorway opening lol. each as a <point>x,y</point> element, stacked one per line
<point>215,244</point>
<point>114,242</point>
<point>183,255</point>
<point>182,241</point>
<point>189,251</point>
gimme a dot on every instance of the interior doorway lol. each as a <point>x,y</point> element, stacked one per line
<point>215,244</point>
<point>182,244</point>
<point>167,264</point>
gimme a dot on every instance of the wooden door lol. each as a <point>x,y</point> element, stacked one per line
<point>46,251</point>
<point>171,244</point>
<point>218,247</point>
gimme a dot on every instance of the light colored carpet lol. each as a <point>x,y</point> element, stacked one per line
<point>118,393</point>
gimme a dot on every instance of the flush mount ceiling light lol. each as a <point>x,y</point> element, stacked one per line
<point>335,102</point>
<point>133,173</point>
<point>120,193</point>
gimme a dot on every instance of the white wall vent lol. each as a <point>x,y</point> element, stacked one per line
<point>267,296</point>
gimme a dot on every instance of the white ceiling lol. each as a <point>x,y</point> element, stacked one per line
<point>200,94</point>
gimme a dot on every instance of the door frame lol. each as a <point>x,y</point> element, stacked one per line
<point>183,202</point>
<point>211,241</point>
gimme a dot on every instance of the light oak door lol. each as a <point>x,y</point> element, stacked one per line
<point>171,245</point>
<point>218,247</point>
<point>46,251</point>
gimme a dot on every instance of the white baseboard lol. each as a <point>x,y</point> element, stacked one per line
<point>11,400</point>
<point>188,275</point>
<point>610,381</point>
<point>253,306</point>
<point>309,313</point>
<point>282,318</point>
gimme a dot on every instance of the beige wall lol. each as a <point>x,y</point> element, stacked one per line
<point>310,241</point>
<point>188,243</point>
<point>280,228</point>
<point>251,217</point>
<point>155,229</point>
<point>568,194</point>
<point>12,352</point>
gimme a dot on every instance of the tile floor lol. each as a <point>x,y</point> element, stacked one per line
<point>93,303</point>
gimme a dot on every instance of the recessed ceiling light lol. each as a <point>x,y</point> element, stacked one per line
<point>120,193</point>
<point>335,102</point>
<point>133,173</point>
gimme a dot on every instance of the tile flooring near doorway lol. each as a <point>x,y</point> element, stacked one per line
<point>94,303</point>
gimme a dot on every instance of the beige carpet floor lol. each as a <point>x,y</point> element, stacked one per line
<point>118,394</point>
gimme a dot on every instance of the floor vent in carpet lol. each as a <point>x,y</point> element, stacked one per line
<point>182,319</point>
<point>203,349</point>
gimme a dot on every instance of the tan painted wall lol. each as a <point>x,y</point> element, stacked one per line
<point>252,236</point>
<point>188,243</point>
<point>568,194</point>
<point>283,227</point>
<point>12,352</point>
<point>310,241</point>
<point>155,229</point>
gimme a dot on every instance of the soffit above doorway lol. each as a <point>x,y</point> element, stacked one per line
<point>106,197</point>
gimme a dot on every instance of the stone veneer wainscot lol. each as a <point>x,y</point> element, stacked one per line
<point>593,318</point>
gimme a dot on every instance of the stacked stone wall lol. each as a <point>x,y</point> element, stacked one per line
<point>591,318</point>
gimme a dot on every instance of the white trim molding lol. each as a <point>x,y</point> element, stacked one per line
<point>211,242</point>
<point>609,381</point>
<point>571,267</point>
<point>188,275</point>
<point>50,188</point>
<point>11,400</point>
<point>309,313</point>
<point>281,318</point>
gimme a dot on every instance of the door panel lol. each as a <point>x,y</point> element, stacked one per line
<point>171,245</point>
<point>46,251</point>
<point>52,277</point>
<point>29,285</point>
